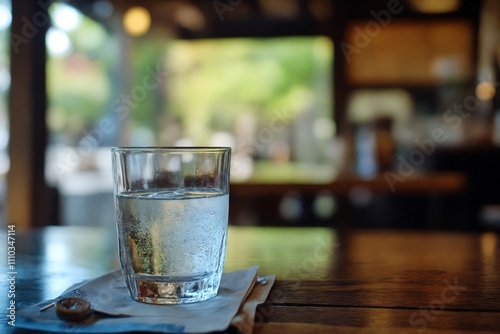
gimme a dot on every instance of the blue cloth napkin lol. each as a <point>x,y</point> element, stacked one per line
<point>118,312</point>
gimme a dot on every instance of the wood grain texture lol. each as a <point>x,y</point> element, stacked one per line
<point>442,183</point>
<point>352,282</point>
<point>381,319</point>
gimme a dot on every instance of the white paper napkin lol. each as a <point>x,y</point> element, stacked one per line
<point>118,312</point>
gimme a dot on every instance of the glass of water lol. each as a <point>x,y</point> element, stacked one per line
<point>171,207</point>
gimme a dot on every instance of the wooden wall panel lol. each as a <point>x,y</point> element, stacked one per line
<point>409,53</point>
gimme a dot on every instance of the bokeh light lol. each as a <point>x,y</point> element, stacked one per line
<point>137,21</point>
<point>485,91</point>
<point>103,8</point>
<point>190,17</point>
<point>66,18</point>
<point>4,79</point>
<point>325,205</point>
<point>58,43</point>
<point>5,17</point>
<point>290,207</point>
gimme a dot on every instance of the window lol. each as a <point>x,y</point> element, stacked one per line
<point>269,99</point>
<point>5,19</point>
<point>81,67</point>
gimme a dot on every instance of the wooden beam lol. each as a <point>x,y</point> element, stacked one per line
<point>26,193</point>
<point>438,183</point>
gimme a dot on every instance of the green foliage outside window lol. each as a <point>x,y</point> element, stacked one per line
<point>204,88</point>
<point>213,82</point>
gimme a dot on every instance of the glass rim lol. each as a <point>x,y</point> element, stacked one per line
<point>189,149</point>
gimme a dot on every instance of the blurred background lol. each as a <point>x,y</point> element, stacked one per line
<point>358,114</point>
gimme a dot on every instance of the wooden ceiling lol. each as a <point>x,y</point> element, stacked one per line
<point>261,18</point>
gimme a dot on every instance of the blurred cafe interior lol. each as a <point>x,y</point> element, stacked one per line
<point>349,114</point>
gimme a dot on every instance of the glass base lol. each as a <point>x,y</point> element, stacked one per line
<point>167,290</point>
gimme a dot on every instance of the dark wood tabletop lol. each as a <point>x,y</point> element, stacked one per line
<point>326,281</point>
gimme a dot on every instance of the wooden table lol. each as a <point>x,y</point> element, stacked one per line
<point>327,281</point>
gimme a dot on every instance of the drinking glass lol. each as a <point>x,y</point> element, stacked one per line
<point>171,206</point>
